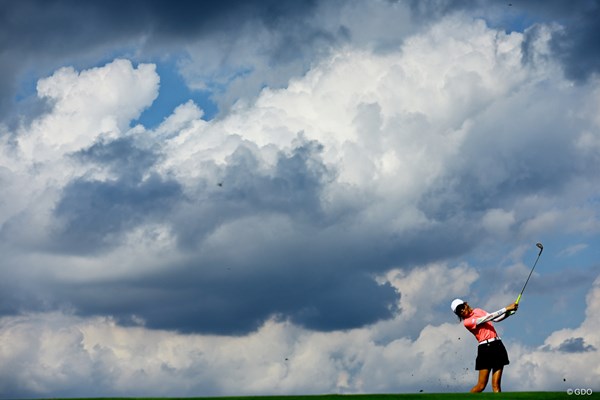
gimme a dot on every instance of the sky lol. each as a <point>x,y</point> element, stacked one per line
<point>218,198</point>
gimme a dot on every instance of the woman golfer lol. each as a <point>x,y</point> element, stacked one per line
<point>491,353</point>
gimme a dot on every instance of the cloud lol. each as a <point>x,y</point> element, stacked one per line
<point>92,214</point>
<point>575,345</point>
<point>565,358</point>
<point>419,305</point>
<point>87,105</point>
<point>306,194</point>
<point>73,356</point>
<point>69,354</point>
<point>574,45</point>
<point>213,47</point>
<point>110,194</point>
<point>247,237</point>
<point>268,52</point>
<point>135,28</point>
<point>574,249</point>
<point>498,221</point>
<point>314,222</point>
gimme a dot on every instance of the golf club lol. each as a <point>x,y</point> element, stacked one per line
<point>541,247</point>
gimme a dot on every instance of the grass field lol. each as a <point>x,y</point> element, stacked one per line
<point>422,396</point>
<point>416,396</point>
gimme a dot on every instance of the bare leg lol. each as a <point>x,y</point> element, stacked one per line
<point>497,380</point>
<point>484,375</point>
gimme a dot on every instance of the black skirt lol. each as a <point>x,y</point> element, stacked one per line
<point>491,356</point>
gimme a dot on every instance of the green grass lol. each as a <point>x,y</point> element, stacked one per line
<point>429,396</point>
<point>411,396</point>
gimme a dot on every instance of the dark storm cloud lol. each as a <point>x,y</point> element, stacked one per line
<point>38,36</point>
<point>576,45</point>
<point>295,186</point>
<point>294,189</point>
<point>68,26</point>
<point>341,303</point>
<point>274,261</point>
<point>121,156</point>
<point>230,304</point>
<point>93,214</point>
<point>260,246</point>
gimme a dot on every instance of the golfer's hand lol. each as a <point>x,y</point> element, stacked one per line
<point>513,307</point>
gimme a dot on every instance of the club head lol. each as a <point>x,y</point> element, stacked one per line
<point>541,247</point>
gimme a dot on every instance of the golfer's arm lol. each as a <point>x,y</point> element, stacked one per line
<point>502,317</point>
<point>492,316</point>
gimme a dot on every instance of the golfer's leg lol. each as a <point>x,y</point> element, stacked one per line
<point>484,375</point>
<point>497,380</point>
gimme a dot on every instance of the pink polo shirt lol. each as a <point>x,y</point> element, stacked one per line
<point>484,330</point>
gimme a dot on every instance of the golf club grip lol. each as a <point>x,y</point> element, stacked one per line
<point>516,302</point>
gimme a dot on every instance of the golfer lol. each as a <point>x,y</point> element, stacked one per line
<point>491,353</point>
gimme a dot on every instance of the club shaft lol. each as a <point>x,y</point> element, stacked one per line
<point>530,272</point>
<point>541,247</point>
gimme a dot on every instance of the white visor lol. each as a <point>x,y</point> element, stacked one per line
<point>455,303</point>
